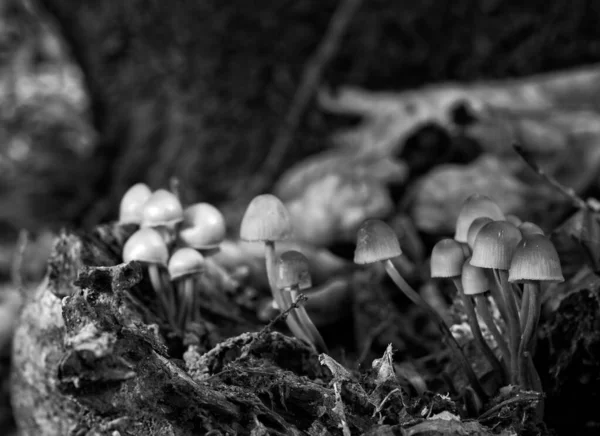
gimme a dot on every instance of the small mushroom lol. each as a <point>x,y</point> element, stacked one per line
<point>132,204</point>
<point>148,247</point>
<point>377,242</point>
<point>292,274</point>
<point>474,207</point>
<point>447,259</point>
<point>162,211</point>
<point>184,266</point>
<point>535,261</point>
<point>493,249</point>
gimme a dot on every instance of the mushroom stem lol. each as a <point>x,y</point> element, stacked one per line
<point>477,335</point>
<point>514,326</point>
<point>159,289</point>
<point>481,304</point>
<point>187,303</point>
<point>419,301</point>
<point>525,348</point>
<point>524,310</point>
<point>282,300</point>
<point>499,300</point>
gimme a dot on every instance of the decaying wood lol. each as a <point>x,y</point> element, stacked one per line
<point>89,361</point>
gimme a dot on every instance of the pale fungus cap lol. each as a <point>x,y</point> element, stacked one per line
<point>203,227</point>
<point>146,245</point>
<point>513,219</point>
<point>132,204</point>
<point>495,244</point>
<point>163,208</point>
<point>528,228</point>
<point>185,262</point>
<point>474,207</point>
<point>293,270</point>
<point>474,279</point>
<point>475,227</point>
<point>266,219</point>
<point>447,258</point>
<point>535,259</point>
<point>375,241</point>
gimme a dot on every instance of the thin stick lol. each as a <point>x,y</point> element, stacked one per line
<point>310,80</point>
<point>514,326</point>
<point>566,191</point>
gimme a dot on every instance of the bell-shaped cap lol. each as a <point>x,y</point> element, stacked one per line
<point>513,219</point>
<point>293,270</point>
<point>495,244</point>
<point>447,258</point>
<point>474,228</point>
<point>528,228</point>
<point>474,207</point>
<point>185,262</point>
<point>132,204</point>
<point>535,259</point>
<point>163,208</point>
<point>375,241</point>
<point>146,245</point>
<point>474,279</point>
<point>266,219</point>
<point>203,227</point>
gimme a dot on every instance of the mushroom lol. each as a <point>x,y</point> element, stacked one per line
<point>535,261</point>
<point>475,227</point>
<point>203,227</point>
<point>162,211</point>
<point>528,228</point>
<point>474,207</point>
<point>475,284</point>
<point>447,259</point>
<point>267,220</point>
<point>132,204</point>
<point>148,247</point>
<point>377,242</point>
<point>184,266</point>
<point>292,274</point>
<point>493,249</point>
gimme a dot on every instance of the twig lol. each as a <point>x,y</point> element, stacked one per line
<point>310,80</point>
<point>16,272</point>
<point>567,192</point>
<point>523,397</point>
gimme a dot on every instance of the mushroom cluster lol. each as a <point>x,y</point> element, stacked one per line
<point>493,259</point>
<point>174,244</point>
<point>497,259</point>
<point>267,220</point>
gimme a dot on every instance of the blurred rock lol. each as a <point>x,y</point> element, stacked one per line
<point>439,195</point>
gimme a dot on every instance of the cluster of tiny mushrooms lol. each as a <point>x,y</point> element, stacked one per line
<point>494,261</point>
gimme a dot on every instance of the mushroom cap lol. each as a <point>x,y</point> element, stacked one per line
<point>475,227</point>
<point>447,258</point>
<point>535,259</point>
<point>132,204</point>
<point>146,245</point>
<point>266,219</point>
<point>163,208</point>
<point>495,244</point>
<point>293,270</point>
<point>474,207</point>
<point>203,227</point>
<point>185,262</point>
<point>474,279</point>
<point>513,219</point>
<point>375,241</point>
<point>528,228</point>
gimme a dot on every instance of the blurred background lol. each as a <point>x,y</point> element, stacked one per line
<point>377,108</point>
